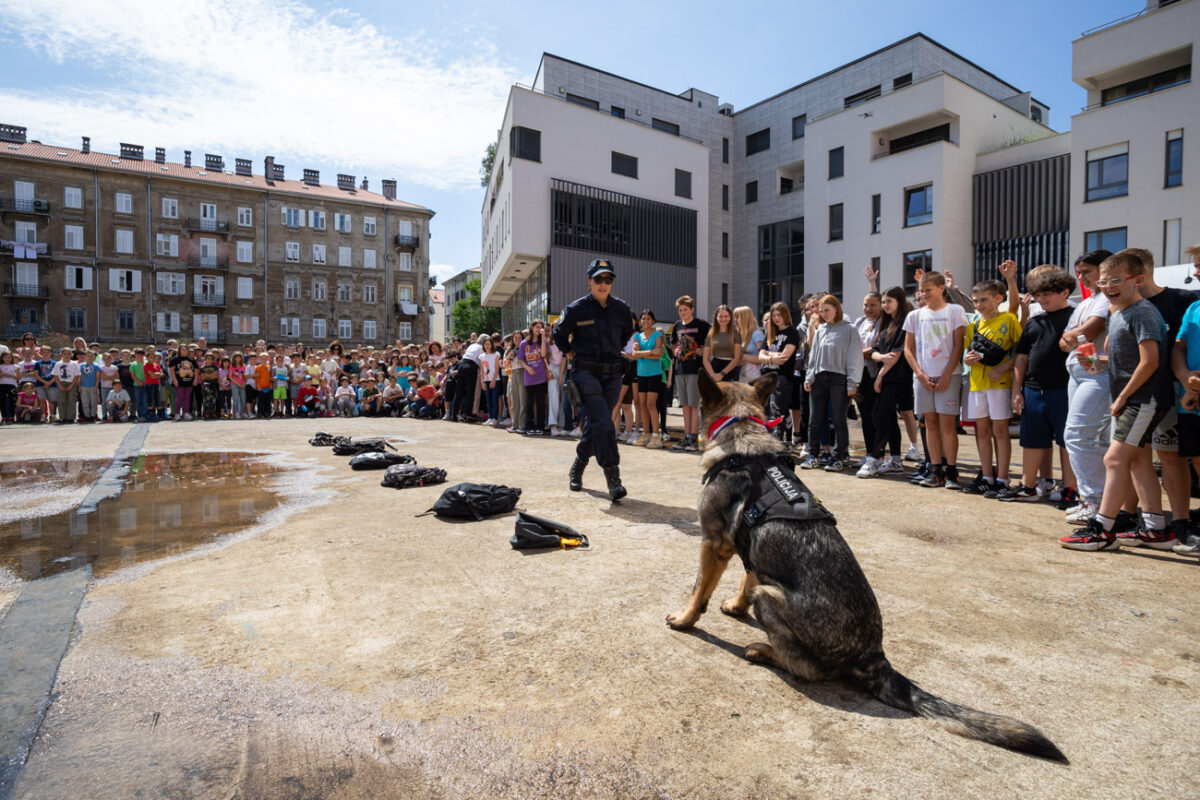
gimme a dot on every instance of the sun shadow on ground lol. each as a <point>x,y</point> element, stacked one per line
<point>682,518</point>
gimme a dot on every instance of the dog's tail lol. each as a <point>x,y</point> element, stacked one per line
<point>891,687</point>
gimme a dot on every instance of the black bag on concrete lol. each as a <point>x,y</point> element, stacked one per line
<point>533,532</point>
<point>475,501</point>
<point>348,447</point>
<point>402,476</point>
<point>323,439</point>
<point>379,460</point>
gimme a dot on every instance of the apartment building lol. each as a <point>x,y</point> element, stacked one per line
<point>122,248</point>
<point>455,289</point>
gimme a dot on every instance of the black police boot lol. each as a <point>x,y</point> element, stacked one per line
<point>576,475</point>
<point>615,490</point>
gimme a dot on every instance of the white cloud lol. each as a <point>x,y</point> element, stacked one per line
<point>248,78</point>
<point>444,272</point>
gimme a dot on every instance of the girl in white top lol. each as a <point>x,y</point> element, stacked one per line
<point>752,341</point>
<point>489,366</point>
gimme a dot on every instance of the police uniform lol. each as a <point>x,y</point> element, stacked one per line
<point>595,335</point>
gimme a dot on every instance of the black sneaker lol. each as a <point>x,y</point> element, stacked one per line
<point>993,491</point>
<point>1024,494</point>
<point>823,459</point>
<point>921,474</point>
<point>1069,498</point>
<point>1126,522</point>
<point>1090,537</point>
<point>952,481</point>
<point>977,486</point>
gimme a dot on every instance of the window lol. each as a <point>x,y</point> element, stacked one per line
<point>208,216</point>
<point>725,197</point>
<point>293,251</point>
<point>341,223</point>
<point>404,262</point>
<point>318,290</point>
<point>835,222</point>
<point>1111,239</point>
<point>369,293</point>
<point>368,259</point>
<point>124,243</point>
<point>125,321</point>
<point>76,319</point>
<point>751,192</point>
<point>245,252</point>
<point>245,216</point>
<point>170,208</point>
<point>902,81</point>
<point>798,124</point>
<point>1172,241</point>
<point>79,278</point>
<point>124,203</point>
<point>1108,172</point>
<point>918,206</point>
<point>617,112</point>
<point>1174,175</point>
<point>72,197</point>
<point>624,165</point>
<point>404,331</point>
<point>683,183</point>
<point>369,329</point>
<point>25,232</point>
<point>525,143</point>
<point>835,281</point>
<point>786,185</point>
<point>876,213</point>
<point>581,101</point>
<point>166,244</point>
<point>245,288</point>
<point>1145,86</point>
<point>837,162</point>
<point>167,321</point>
<point>344,258</point>
<point>861,97</point>
<point>368,226</point>
<point>664,126</point>
<point>318,328</point>
<point>404,292</point>
<point>724,151</point>
<point>208,252</point>
<point>289,326</point>
<point>759,141</point>
<point>291,289</point>
<point>724,244</point>
<point>293,217</point>
<point>344,329</point>
<point>344,292</point>
<point>918,259</point>
<point>316,219</point>
<point>724,294</point>
<point>318,253</point>
<point>73,237</point>
<point>245,326</point>
<point>170,282</point>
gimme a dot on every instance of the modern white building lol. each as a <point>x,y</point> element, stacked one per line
<point>455,290</point>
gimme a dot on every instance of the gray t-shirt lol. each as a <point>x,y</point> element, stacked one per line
<point>1126,329</point>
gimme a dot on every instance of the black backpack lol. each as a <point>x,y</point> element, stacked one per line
<point>475,501</point>
<point>531,533</point>
<point>379,460</point>
<point>402,476</point>
<point>323,439</point>
<point>348,447</point>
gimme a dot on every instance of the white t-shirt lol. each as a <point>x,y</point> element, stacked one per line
<point>934,331</point>
<point>66,371</point>
<point>1094,306</point>
<point>492,360</point>
<point>473,352</point>
<point>867,330</point>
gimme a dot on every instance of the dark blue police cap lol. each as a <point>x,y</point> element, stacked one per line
<point>600,266</point>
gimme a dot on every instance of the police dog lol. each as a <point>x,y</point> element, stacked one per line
<point>807,589</point>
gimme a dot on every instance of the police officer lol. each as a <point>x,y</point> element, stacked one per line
<point>592,331</point>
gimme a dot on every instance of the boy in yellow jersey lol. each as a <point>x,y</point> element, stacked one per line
<point>988,344</point>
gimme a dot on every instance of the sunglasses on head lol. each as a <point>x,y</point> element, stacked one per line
<point>603,279</point>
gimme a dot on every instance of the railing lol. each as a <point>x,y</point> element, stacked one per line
<point>404,240</point>
<point>25,206</point>
<point>26,290</point>
<point>208,299</point>
<point>1118,21</point>
<point>196,261</point>
<point>207,225</point>
<point>39,248</point>
<point>15,330</point>
<point>607,113</point>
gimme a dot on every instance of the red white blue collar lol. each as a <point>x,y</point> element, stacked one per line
<point>721,423</point>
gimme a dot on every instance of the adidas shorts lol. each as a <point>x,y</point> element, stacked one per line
<point>1136,423</point>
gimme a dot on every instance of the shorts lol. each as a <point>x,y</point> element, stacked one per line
<point>990,403</point>
<point>1136,423</point>
<point>280,393</point>
<point>630,377</point>
<point>1189,435</point>
<point>687,389</point>
<point>947,401</point>
<point>650,383</point>
<point>1166,435</point>
<point>1044,418</point>
<point>47,393</point>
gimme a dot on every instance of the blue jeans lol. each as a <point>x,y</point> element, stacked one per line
<point>491,395</point>
<point>1088,430</point>
<point>139,401</point>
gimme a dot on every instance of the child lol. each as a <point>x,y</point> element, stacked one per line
<point>224,387</point>
<point>345,398</point>
<point>1185,363</point>
<point>153,386</point>
<point>989,399</point>
<point>237,386</point>
<point>372,399</point>
<point>9,371</point>
<point>264,381</point>
<point>116,407</point>
<point>108,374</point>
<point>934,339</point>
<point>282,376</point>
<point>89,392</point>
<point>647,353</point>
<point>1040,381</point>
<point>210,384</point>
<point>29,405</point>
<point>1142,394</point>
<point>137,371</point>
<point>424,405</point>
<point>66,373</point>
<point>831,379</point>
<point>306,400</point>
<point>688,335</point>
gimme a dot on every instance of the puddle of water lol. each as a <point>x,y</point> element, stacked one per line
<point>171,503</point>
<point>47,486</point>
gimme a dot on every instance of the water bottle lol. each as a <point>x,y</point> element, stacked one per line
<point>1088,350</point>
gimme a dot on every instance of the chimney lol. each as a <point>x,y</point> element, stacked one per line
<point>269,169</point>
<point>12,133</point>
<point>160,155</point>
<point>187,158</point>
<point>364,184</point>
<point>389,189</point>
<point>131,151</point>
<point>87,144</point>
<point>346,182</point>
<point>312,177</point>
<point>242,166</point>
<point>213,162</point>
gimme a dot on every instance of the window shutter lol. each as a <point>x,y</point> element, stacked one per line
<point>160,283</point>
<point>236,327</point>
<point>87,278</point>
<point>174,246</point>
<point>161,323</point>
<point>254,325</point>
<point>114,280</point>
<point>283,214</point>
<point>220,285</point>
<point>137,280</point>
<point>302,216</point>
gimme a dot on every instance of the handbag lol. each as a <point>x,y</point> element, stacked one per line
<point>990,353</point>
<point>531,533</point>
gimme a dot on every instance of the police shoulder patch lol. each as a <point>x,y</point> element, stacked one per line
<point>583,322</point>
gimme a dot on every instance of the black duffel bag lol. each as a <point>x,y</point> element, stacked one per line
<point>532,532</point>
<point>323,439</point>
<point>352,447</point>
<point>379,460</point>
<point>402,476</point>
<point>475,501</point>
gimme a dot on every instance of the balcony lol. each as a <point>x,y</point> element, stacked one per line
<point>30,290</point>
<point>206,225</point>
<point>196,261</point>
<point>405,308</point>
<point>406,241</point>
<point>210,299</point>
<point>10,205</point>
<point>35,250</point>
<point>15,330</point>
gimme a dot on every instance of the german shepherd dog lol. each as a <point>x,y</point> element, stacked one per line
<point>807,589</point>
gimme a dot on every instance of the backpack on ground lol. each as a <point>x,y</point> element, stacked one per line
<point>323,439</point>
<point>349,447</point>
<point>475,501</point>
<point>402,476</point>
<point>379,460</point>
<point>531,533</point>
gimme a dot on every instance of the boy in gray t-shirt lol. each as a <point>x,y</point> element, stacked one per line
<point>1127,329</point>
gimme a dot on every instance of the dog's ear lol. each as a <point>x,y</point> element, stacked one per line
<point>764,387</point>
<point>710,393</point>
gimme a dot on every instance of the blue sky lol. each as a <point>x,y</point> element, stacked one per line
<point>415,91</point>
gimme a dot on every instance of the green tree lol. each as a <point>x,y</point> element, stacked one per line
<point>485,165</point>
<point>471,316</point>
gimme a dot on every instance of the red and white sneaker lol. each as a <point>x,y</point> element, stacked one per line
<point>1091,537</point>
<point>1146,537</point>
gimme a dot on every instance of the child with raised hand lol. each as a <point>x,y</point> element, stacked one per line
<point>989,343</point>
<point>1142,393</point>
<point>932,348</point>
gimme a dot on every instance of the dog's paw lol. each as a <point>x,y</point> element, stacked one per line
<point>681,621</point>
<point>733,608</point>
<point>759,653</point>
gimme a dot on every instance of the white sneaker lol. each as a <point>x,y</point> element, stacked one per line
<point>666,437</point>
<point>804,454</point>
<point>554,431</point>
<point>577,432</point>
<point>869,468</point>
<point>913,453</point>
<point>1044,487</point>
<point>1082,514</point>
<point>889,466</point>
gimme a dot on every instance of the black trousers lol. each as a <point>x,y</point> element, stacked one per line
<point>464,388</point>
<point>829,392</point>
<point>600,395</point>
<point>537,405</point>
<point>781,405</point>
<point>866,408</point>
<point>886,422</point>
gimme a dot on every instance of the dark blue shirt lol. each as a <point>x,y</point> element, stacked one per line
<point>594,332</point>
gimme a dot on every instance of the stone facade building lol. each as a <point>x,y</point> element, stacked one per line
<point>125,248</point>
